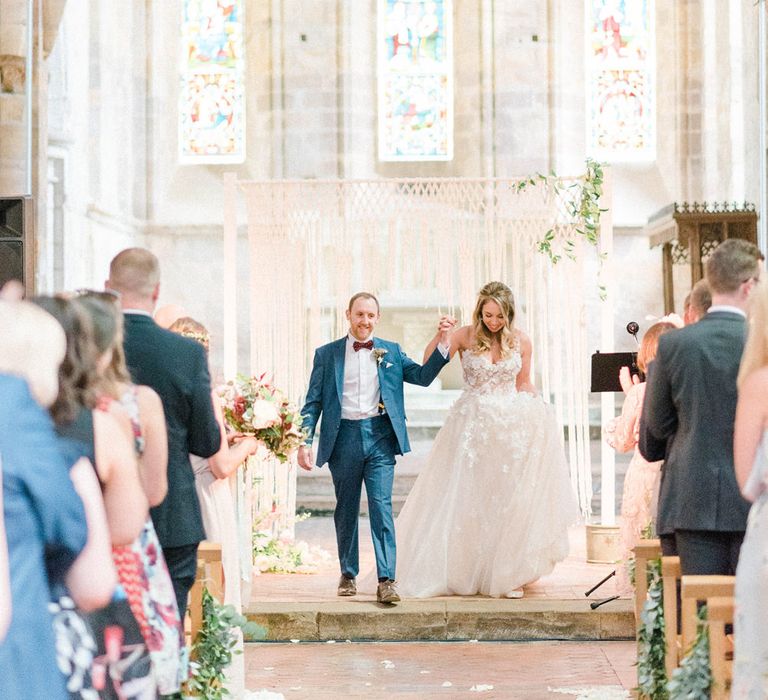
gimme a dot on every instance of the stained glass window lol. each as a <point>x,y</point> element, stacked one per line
<point>211,104</point>
<point>415,80</point>
<point>621,57</point>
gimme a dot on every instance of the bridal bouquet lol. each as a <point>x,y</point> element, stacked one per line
<point>253,406</point>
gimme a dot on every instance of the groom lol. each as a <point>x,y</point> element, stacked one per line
<point>357,385</point>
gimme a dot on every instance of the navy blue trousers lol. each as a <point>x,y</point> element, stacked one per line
<point>365,453</point>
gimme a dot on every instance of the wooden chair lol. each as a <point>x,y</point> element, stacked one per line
<point>695,590</point>
<point>210,574</point>
<point>720,614</point>
<point>210,554</point>
<point>670,576</point>
<point>196,603</point>
<point>645,551</point>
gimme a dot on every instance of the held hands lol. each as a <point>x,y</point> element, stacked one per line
<point>445,329</point>
<point>306,458</point>
<point>627,380</point>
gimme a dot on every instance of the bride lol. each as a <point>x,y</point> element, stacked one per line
<point>490,509</point>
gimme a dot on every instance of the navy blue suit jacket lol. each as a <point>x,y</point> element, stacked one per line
<point>326,385</point>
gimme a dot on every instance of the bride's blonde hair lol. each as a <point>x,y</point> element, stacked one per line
<point>502,295</point>
<point>756,348</point>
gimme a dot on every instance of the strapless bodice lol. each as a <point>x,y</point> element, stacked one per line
<point>482,376</point>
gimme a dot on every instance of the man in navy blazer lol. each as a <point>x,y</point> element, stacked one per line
<point>357,386</point>
<point>177,369</point>
<point>688,418</point>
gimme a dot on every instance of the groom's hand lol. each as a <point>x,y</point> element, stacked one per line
<point>306,457</point>
<point>445,329</point>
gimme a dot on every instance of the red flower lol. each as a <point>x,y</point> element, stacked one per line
<point>239,407</point>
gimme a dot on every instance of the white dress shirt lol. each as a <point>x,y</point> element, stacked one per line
<point>361,395</point>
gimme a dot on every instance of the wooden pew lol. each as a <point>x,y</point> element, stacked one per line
<point>209,574</point>
<point>695,590</point>
<point>645,551</point>
<point>670,576</point>
<point>720,614</point>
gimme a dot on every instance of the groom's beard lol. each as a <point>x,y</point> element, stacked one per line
<point>361,334</point>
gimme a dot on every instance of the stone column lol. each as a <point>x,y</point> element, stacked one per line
<point>13,137</point>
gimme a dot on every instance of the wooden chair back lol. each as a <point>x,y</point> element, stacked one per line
<point>695,590</point>
<point>670,577</point>
<point>720,614</point>
<point>645,551</point>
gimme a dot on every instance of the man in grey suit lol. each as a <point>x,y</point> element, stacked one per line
<point>688,416</point>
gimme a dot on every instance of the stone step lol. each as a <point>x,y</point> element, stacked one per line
<point>442,619</point>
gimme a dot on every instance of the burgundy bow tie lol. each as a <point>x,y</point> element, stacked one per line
<point>357,345</point>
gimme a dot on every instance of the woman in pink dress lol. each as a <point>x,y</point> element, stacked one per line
<point>641,482</point>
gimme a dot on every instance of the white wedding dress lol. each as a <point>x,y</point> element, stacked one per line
<point>491,507</point>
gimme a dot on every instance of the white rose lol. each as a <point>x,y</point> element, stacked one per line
<point>265,414</point>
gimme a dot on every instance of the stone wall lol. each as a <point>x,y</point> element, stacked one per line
<point>311,113</point>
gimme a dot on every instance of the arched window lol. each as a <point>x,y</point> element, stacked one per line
<point>415,51</point>
<point>211,102</point>
<point>621,89</point>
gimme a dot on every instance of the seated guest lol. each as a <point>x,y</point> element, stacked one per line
<point>41,508</point>
<point>750,455</point>
<point>642,477</point>
<point>690,405</point>
<point>697,302</point>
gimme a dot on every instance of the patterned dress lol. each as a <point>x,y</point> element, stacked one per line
<point>143,573</point>
<point>641,482</point>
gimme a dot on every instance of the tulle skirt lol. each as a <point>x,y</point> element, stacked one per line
<point>491,507</point>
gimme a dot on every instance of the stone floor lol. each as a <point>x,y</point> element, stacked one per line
<point>568,581</point>
<point>524,671</point>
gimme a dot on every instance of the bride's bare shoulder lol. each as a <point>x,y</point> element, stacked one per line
<point>463,337</point>
<point>522,339</point>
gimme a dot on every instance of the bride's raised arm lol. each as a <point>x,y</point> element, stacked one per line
<point>524,382</point>
<point>458,341</point>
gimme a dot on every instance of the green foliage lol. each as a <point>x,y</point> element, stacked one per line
<point>582,207</point>
<point>213,648</point>
<point>651,673</point>
<point>693,679</point>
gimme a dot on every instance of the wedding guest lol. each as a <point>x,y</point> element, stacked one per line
<point>89,429</point>
<point>5,581</point>
<point>41,508</point>
<point>217,506</point>
<point>642,477</point>
<point>750,455</point>
<point>141,566</point>
<point>697,302</point>
<point>90,580</point>
<point>177,369</point>
<point>690,405</point>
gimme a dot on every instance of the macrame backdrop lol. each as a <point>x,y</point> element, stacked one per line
<point>433,242</point>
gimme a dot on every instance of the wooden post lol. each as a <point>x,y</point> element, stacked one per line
<point>720,614</point>
<point>645,551</point>
<point>670,575</point>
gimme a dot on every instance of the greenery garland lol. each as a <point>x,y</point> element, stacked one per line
<point>651,670</point>
<point>693,679</point>
<point>213,648</point>
<point>583,206</point>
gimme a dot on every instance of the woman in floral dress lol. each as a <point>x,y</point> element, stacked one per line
<point>141,568</point>
<point>641,482</point>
